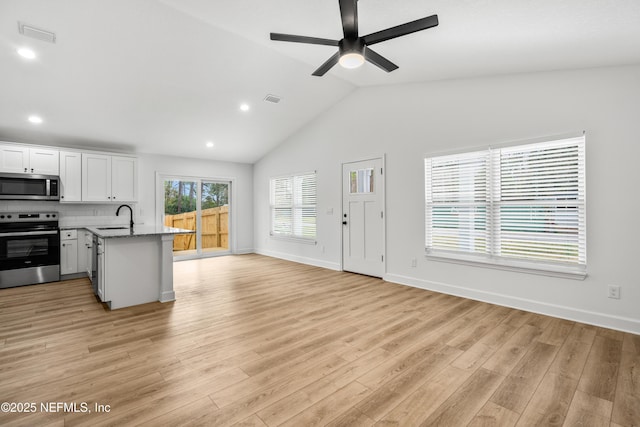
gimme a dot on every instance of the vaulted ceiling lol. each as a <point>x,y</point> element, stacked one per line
<point>166,76</point>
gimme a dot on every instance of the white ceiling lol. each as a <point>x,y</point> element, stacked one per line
<point>165,76</point>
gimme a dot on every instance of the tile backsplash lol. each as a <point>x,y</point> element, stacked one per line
<point>74,215</point>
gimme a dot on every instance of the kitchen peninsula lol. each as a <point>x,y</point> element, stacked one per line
<point>134,265</point>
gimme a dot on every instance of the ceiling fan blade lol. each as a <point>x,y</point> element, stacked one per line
<point>349,14</point>
<point>379,60</point>
<point>327,65</point>
<point>401,30</point>
<point>303,39</point>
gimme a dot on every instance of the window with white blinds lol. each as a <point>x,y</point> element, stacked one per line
<point>293,206</point>
<point>519,206</point>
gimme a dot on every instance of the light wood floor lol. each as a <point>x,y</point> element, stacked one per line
<point>255,341</point>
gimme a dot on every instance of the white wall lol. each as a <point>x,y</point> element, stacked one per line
<point>406,122</point>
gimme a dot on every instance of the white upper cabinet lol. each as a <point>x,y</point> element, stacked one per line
<point>124,177</point>
<point>96,178</point>
<point>20,159</point>
<point>109,178</point>
<point>44,161</point>
<point>84,176</point>
<point>70,176</point>
<point>14,159</point>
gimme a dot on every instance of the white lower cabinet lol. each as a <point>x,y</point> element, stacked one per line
<point>76,252</point>
<point>68,252</point>
<point>82,252</point>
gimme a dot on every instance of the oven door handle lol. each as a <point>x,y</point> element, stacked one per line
<point>27,233</point>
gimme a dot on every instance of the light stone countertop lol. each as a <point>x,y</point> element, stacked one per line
<point>109,231</point>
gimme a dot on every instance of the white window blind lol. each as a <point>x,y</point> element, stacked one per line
<point>293,206</point>
<point>521,205</point>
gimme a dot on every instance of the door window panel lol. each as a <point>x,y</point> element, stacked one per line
<point>361,181</point>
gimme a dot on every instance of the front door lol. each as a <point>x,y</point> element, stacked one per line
<point>363,217</point>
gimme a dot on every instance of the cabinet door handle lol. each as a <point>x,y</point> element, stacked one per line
<point>63,245</point>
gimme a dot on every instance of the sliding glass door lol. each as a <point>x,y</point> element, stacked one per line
<point>180,211</point>
<point>215,216</point>
<point>201,205</point>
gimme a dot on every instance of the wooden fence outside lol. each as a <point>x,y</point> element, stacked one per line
<point>215,229</point>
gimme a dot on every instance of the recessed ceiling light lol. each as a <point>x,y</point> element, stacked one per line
<point>36,120</point>
<point>27,53</point>
<point>244,107</point>
<point>209,144</point>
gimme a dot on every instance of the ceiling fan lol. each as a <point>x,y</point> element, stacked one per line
<point>353,50</point>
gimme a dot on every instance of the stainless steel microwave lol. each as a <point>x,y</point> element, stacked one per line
<point>22,186</point>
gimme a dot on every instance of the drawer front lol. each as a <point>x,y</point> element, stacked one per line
<point>68,234</point>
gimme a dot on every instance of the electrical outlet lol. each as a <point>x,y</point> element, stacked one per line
<point>414,262</point>
<point>614,292</point>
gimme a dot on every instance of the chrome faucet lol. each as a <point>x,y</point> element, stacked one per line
<point>130,211</point>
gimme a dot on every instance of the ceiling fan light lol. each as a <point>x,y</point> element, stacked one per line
<point>351,60</point>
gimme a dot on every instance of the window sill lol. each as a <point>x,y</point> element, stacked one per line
<point>511,265</point>
<point>292,239</point>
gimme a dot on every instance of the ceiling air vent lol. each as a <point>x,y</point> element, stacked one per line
<point>272,98</point>
<point>36,33</point>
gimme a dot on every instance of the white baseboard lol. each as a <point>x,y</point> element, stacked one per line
<point>167,296</point>
<point>624,324</point>
<point>244,251</point>
<point>300,259</point>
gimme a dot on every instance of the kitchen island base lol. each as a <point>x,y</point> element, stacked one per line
<point>132,271</point>
<point>134,265</point>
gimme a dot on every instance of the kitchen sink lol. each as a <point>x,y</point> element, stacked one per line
<point>113,228</point>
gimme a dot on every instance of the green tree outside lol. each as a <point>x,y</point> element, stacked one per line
<point>180,196</point>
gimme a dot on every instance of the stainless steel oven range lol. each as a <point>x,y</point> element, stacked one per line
<point>29,248</point>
